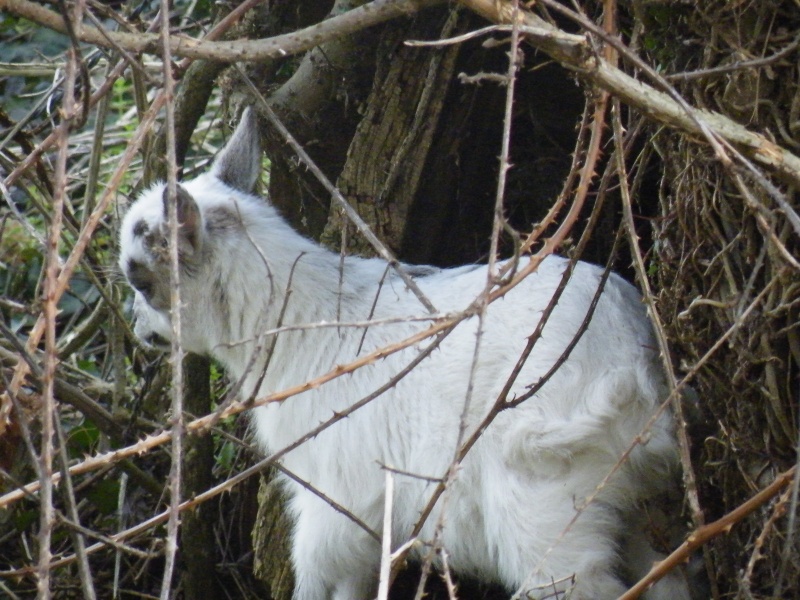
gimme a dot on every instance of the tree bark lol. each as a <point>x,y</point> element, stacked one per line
<point>414,150</point>
<point>271,534</point>
<point>393,139</point>
<point>197,543</point>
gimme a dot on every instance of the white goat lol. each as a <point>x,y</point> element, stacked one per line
<point>523,481</point>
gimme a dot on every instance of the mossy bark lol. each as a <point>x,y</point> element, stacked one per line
<point>271,534</point>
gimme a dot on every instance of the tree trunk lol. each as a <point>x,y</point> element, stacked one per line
<point>197,543</point>
<point>415,151</point>
<point>392,142</point>
<point>271,540</point>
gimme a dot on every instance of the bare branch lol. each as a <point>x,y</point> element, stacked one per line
<point>49,313</point>
<point>574,52</point>
<point>708,532</point>
<point>176,354</point>
<point>386,543</point>
<point>340,200</point>
<point>280,46</point>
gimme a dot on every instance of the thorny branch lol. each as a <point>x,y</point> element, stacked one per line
<point>227,485</point>
<point>602,74</point>
<point>571,50</point>
<point>575,52</point>
<point>340,200</point>
<point>436,544</point>
<point>281,46</point>
<point>47,519</point>
<point>91,222</point>
<point>689,477</point>
<point>501,403</point>
<point>703,534</point>
<point>176,353</point>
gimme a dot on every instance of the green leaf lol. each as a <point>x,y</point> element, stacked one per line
<point>105,495</point>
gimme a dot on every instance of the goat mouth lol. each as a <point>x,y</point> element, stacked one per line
<point>156,342</point>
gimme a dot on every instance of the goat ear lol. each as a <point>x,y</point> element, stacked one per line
<point>238,163</point>
<point>190,233</point>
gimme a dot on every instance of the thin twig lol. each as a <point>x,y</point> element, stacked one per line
<point>84,570</point>
<point>689,477</point>
<point>340,200</point>
<point>386,543</point>
<point>436,546</point>
<point>338,507</point>
<point>778,511</point>
<point>515,57</point>
<point>791,527</point>
<point>739,65</point>
<point>576,52</point>
<point>281,46</point>
<point>176,354</point>
<point>49,314</point>
<point>707,532</point>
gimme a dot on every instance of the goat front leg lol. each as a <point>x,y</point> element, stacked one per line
<point>332,557</point>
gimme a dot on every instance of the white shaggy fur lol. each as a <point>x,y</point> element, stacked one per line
<point>519,486</point>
